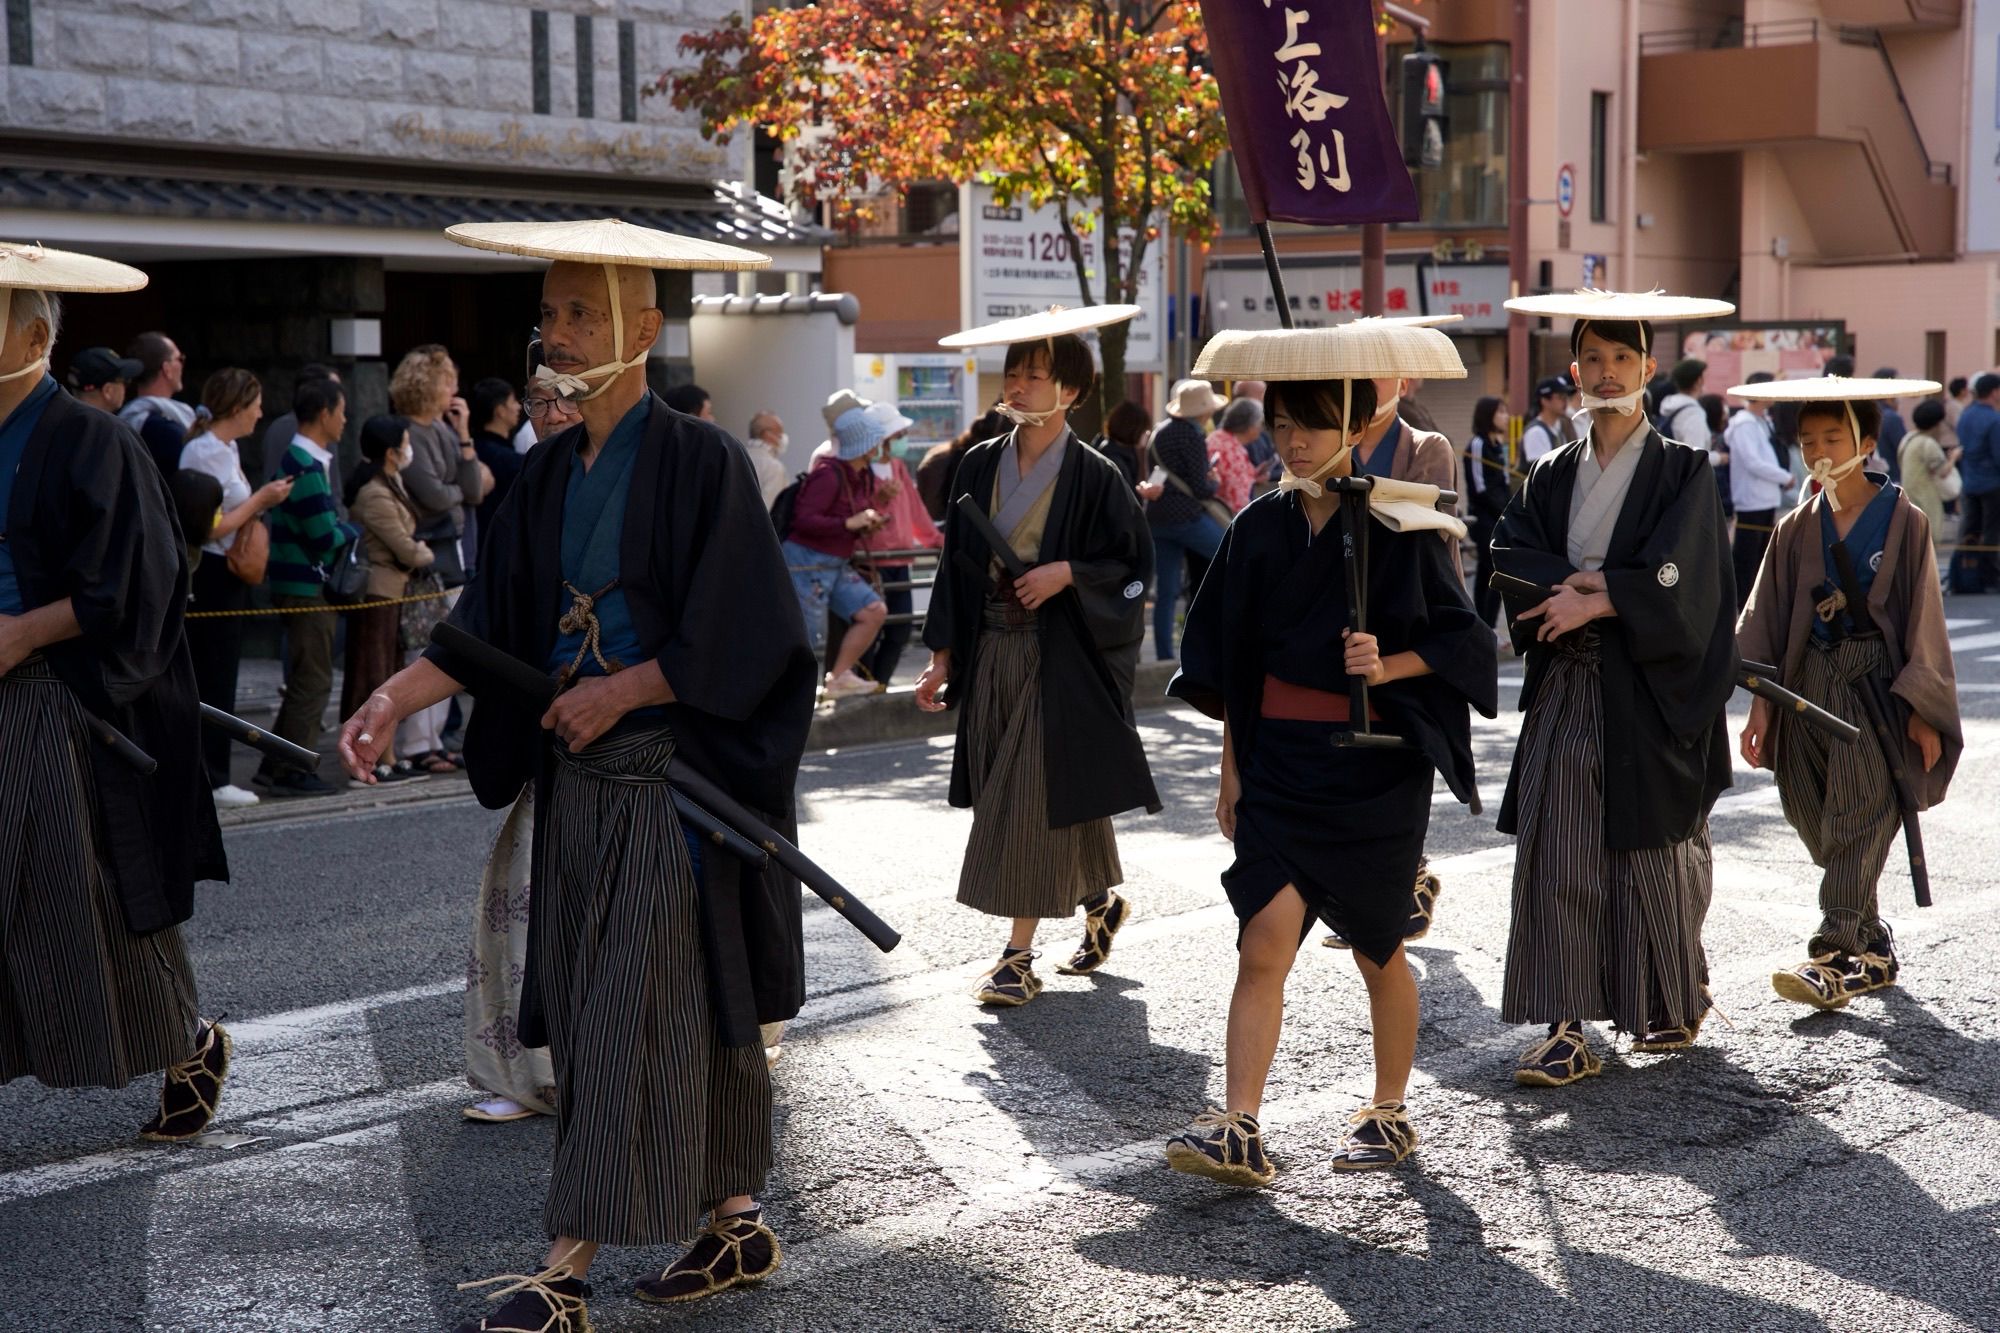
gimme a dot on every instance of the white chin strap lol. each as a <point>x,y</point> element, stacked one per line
<point>1023,417</point>
<point>7,318</point>
<point>1310,484</point>
<point>576,388</point>
<point>1624,406</point>
<point>1385,413</point>
<point>1828,475</point>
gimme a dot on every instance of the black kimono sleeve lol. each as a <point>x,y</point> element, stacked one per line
<point>1212,636</point>
<point>1528,542</point>
<point>1456,645</point>
<point>1675,600</point>
<point>121,569</point>
<point>1112,575</point>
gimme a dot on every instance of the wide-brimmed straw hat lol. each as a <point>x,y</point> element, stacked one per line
<point>1646,307</point>
<point>1050,323</point>
<point>35,267</point>
<point>606,241</point>
<point>1362,349</point>
<point>1834,389</point>
<point>1195,399</point>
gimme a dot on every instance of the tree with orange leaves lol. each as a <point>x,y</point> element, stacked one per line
<point>1103,108</point>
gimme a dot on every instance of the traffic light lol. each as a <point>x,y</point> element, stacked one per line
<point>1423,110</point>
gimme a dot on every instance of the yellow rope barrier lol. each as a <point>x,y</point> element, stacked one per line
<point>328,609</point>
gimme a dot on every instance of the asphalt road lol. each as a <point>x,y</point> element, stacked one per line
<point>941,1167</point>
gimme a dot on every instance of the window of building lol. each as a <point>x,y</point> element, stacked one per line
<point>1600,157</point>
<point>1934,356</point>
<point>20,33</point>
<point>1469,188</point>
<point>628,70</point>
<point>586,67</point>
<point>538,59</point>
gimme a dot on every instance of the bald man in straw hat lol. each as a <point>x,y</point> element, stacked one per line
<point>98,859</point>
<point>1630,661</point>
<point>633,560</point>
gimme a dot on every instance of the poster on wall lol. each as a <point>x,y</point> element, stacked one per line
<point>1981,195</point>
<point>1789,351</point>
<point>1015,260</point>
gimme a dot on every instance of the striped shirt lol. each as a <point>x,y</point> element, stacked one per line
<point>305,529</point>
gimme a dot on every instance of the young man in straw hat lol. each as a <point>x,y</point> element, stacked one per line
<point>1629,664</point>
<point>98,859</point>
<point>1327,827</point>
<point>1841,798</point>
<point>1040,664</point>
<point>630,546</point>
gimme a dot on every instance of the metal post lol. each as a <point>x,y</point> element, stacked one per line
<point>1183,311</point>
<point>1518,369</point>
<point>1374,262</point>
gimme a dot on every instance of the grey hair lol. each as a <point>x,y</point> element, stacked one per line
<point>26,305</point>
<point>1242,416</point>
<point>758,421</point>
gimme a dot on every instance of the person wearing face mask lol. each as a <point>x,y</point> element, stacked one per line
<point>634,562</point>
<point>1040,664</point>
<point>1841,798</point>
<point>380,506</point>
<point>766,443</point>
<point>905,527</point>
<point>1630,662</point>
<point>1324,830</point>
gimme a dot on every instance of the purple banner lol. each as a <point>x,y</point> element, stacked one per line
<point>1302,92</point>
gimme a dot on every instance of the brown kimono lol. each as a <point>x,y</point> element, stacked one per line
<point>1839,797</point>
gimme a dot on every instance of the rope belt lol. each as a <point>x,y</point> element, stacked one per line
<point>582,618</point>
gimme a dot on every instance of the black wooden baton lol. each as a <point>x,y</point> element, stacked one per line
<point>277,747</point>
<point>1880,706</point>
<point>491,666</point>
<point>976,518</point>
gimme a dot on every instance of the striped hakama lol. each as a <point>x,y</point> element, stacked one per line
<point>1015,864</point>
<point>83,1001</point>
<point>656,1120</point>
<point>495,1060</point>
<point>1596,933</point>
<point>1839,797</point>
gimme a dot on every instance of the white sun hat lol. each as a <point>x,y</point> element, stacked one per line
<point>614,244</point>
<point>26,266</point>
<point>1362,349</point>
<point>1588,303</point>
<point>1051,323</point>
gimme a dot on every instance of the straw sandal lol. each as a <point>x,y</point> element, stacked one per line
<point>1678,1037</point>
<point>1830,980</point>
<point>192,1089</point>
<point>551,1301</point>
<point>1561,1058</point>
<point>1012,983</point>
<point>1382,1136</point>
<point>733,1251</point>
<point>1223,1145</point>
<point>1101,925</point>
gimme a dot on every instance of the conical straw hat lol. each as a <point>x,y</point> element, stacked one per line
<point>1050,323</point>
<point>35,268</point>
<point>1589,303</point>
<point>606,241</point>
<point>1363,349</point>
<point>1833,389</point>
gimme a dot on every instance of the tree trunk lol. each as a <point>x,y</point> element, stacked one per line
<point>1111,347</point>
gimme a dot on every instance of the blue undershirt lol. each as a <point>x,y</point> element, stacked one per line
<point>1865,542</point>
<point>14,435</point>
<point>593,528</point>
<point>1382,463</point>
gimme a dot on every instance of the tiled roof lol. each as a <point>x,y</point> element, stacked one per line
<point>738,218</point>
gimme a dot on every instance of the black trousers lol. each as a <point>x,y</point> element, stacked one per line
<point>1978,525</point>
<point>887,650</point>
<point>217,648</point>
<point>1753,535</point>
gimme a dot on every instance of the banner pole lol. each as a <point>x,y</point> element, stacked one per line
<point>1277,278</point>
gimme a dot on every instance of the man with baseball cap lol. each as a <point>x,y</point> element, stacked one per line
<point>97,378</point>
<point>1544,431</point>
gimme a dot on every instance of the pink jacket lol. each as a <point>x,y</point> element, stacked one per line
<point>909,525</point>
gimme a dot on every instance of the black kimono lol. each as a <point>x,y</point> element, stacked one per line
<point>1344,826</point>
<point>1623,750</point>
<point>1089,634</point>
<point>97,862</point>
<point>712,603</point>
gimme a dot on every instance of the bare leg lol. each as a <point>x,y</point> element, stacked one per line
<point>861,632</point>
<point>1023,933</point>
<point>578,1254</point>
<point>738,1203</point>
<point>1392,1014</point>
<point>1257,1007</point>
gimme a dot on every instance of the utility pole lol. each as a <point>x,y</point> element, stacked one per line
<point>1518,369</point>
<point>1375,235</point>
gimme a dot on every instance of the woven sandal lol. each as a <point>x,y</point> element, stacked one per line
<point>1100,926</point>
<point>1382,1136</point>
<point>192,1089</point>
<point>1830,980</point>
<point>1679,1036</point>
<point>732,1252</point>
<point>1010,984</point>
<point>1223,1145</point>
<point>1561,1058</point>
<point>551,1301</point>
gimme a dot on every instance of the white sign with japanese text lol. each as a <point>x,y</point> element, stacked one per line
<point>1321,292</point>
<point>1015,260</point>
<point>1476,291</point>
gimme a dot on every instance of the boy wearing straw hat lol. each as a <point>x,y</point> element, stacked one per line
<point>1630,660</point>
<point>631,545</point>
<point>1842,798</point>
<point>99,853</point>
<point>1305,600</point>
<point>1034,630</point>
